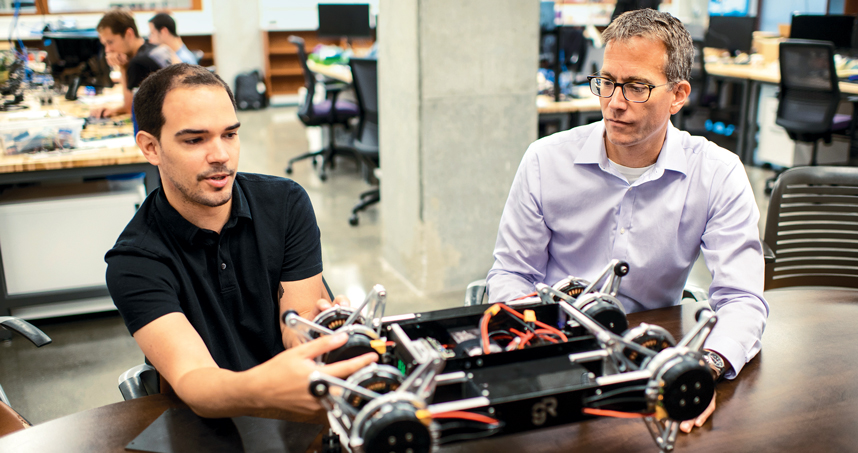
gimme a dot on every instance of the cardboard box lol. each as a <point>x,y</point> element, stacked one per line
<point>768,47</point>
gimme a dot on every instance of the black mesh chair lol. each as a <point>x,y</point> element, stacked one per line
<point>812,228</point>
<point>809,95</point>
<point>365,76</point>
<point>329,112</point>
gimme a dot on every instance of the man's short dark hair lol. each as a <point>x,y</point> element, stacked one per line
<point>148,103</point>
<point>163,20</point>
<point>118,21</point>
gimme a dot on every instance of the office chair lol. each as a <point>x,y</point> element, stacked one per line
<point>809,95</point>
<point>365,74</point>
<point>11,420</point>
<point>329,112</point>
<point>812,228</point>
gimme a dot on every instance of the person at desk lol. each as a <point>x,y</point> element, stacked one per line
<point>210,261</point>
<point>135,57</point>
<point>162,30</point>
<point>633,187</point>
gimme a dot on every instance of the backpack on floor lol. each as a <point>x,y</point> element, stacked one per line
<point>250,91</point>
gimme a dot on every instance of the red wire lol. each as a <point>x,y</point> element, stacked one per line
<point>614,414</point>
<point>538,323</point>
<point>467,416</point>
<point>525,296</point>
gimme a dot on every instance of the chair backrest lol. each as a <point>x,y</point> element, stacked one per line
<point>809,90</point>
<point>365,79</point>
<point>812,228</point>
<point>309,77</point>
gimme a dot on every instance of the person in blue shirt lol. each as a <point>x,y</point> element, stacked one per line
<point>162,30</point>
<point>635,188</point>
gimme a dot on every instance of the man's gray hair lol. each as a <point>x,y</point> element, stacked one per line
<point>652,24</point>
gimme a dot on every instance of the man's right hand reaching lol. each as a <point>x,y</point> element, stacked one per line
<point>286,376</point>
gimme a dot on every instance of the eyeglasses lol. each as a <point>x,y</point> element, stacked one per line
<point>633,91</point>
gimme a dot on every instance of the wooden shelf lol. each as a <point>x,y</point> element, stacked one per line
<point>287,72</point>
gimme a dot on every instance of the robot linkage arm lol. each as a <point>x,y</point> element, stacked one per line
<point>612,342</point>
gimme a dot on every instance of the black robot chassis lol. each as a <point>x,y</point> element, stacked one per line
<point>467,373</point>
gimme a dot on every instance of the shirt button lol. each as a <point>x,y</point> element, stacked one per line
<point>622,231</point>
<point>223,265</point>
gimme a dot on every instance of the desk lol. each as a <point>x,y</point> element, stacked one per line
<point>82,163</point>
<point>567,113</point>
<point>800,394</point>
<point>750,77</point>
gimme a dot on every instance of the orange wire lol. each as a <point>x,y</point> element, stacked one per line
<point>538,323</point>
<point>484,331</point>
<point>467,416</point>
<point>614,414</point>
<point>525,296</point>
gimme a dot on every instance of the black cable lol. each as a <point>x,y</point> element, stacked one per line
<point>612,393</point>
<point>599,404</point>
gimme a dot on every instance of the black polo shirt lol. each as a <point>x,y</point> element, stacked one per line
<point>226,284</point>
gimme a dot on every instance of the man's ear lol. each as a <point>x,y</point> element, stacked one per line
<point>150,146</point>
<point>129,35</point>
<point>680,95</point>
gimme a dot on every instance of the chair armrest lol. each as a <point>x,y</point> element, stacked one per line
<point>141,380</point>
<point>26,330</point>
<point>475,292</point>
<point>768,253</point>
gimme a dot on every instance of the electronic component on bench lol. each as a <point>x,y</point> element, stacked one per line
<point>459,374</point>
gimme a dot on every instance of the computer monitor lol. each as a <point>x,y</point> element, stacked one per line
<point>836,28</point>
<point>342,20</point>
<point>734,33</point>
<point>547,15</point>
<point>77,58</point>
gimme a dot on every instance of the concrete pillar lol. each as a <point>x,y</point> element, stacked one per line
<point>457,106</point>
<point>238,38</point>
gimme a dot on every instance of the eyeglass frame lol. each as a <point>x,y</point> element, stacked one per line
<point>622,87</point>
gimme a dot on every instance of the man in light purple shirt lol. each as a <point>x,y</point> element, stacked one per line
<point>635,188</point>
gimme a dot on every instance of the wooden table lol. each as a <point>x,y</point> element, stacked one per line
<point>88,162</point>
<point>799,394</point>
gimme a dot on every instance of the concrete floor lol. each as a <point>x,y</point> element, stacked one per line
<point>79,370</point>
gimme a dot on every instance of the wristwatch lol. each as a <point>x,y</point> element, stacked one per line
<point>716,364</point>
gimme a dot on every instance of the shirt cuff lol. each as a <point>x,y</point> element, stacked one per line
<point>730,350</point>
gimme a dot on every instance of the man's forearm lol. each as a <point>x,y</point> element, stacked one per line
<point>219,393</point>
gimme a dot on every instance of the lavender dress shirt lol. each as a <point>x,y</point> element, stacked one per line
<point>569,212</point>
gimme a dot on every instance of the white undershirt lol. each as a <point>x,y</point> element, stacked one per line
<point>631,174</point>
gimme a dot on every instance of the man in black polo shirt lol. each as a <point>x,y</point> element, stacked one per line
<point>135,57</point>
<point>205,268</point>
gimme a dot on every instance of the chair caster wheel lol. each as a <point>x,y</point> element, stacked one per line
<point>315,163</point>
<point>323,176</point>
<point>289,170</point>
<point>353,220</point>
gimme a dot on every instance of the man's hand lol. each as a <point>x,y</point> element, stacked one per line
<point>102,112</point>
<point>116,59</point>
<point>290,339</point>
<point>285,378</point>
<point>688,425</point>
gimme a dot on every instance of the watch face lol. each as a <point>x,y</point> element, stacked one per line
<point>715,359</point>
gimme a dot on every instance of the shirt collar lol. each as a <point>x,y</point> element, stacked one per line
<point>671,156</point>
<point>187,231</point>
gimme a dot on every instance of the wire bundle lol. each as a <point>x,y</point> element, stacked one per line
<point>518,339</point>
